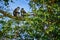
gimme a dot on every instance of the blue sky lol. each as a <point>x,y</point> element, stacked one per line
<point>21,4</point>
<point>16,3</point>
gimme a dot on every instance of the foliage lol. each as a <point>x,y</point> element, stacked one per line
<point>6,2</point>
<point>47,19</point>
<point>45,25</point>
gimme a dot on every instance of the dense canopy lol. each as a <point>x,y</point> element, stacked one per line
<point>44,24</point>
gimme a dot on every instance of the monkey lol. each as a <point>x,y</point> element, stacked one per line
<point>23,12</point>
<point>15,12</point>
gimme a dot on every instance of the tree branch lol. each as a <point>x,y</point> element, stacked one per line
<point>13,17</point>
<point>10,16</point>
